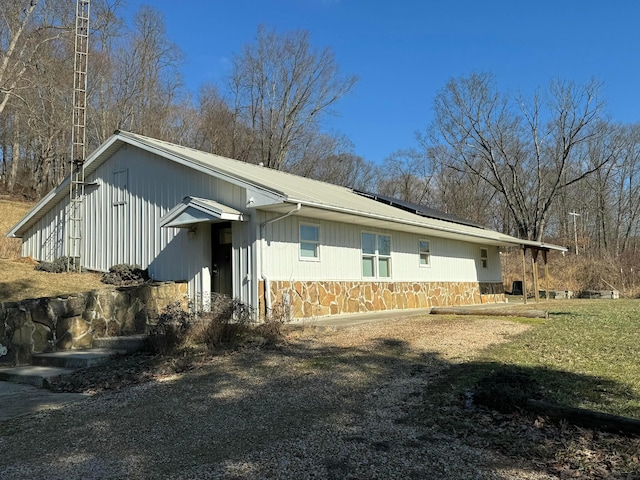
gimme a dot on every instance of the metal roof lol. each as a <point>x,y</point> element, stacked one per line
<point>194,210</point>
<point>418,209</point>
<point>278,190</point>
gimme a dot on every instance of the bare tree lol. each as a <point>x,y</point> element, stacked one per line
<point>282,87</point>
<point>28,32</point>
<point>330,158</point>
<point>136,76</point>
<point>528,154</point>
<point>107,31</point>
<point>26,26</point>
<point>406,176</point>
<point>218,130</point>
<point>610,200</point>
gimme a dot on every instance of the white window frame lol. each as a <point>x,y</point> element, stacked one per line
<point>120,187</point>
<point>484,257</point>
<point>317,243</point>
<point>376,256</point>
<point>426,252</point>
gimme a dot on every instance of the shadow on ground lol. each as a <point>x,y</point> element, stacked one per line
<point>12,289</point>
<point>306,410</point>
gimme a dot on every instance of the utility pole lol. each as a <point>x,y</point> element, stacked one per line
<point>575,229</point>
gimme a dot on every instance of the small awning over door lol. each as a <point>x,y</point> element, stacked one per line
<point>194,210</point>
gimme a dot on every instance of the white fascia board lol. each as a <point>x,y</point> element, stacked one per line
<point>62,189</point>
<point>496,238</point>
<point>17,230</point>
<point>197,210</point>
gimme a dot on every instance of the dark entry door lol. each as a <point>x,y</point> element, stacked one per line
<point>221,254</point>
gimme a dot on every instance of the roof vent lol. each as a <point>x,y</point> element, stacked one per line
<point>261,164</point>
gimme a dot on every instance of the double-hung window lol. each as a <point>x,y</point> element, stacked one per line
<point>424,251</point>
<point>376,255</point>
<point>309,242</point>
<point>484,257</point>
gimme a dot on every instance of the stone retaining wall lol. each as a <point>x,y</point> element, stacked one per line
<point>315,299</point>
<point>73,321</point>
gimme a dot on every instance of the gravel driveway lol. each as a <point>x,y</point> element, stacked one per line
<point>328,404</point>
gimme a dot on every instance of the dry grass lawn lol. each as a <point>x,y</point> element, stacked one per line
<point>11,211</point>
<point>18,278</point>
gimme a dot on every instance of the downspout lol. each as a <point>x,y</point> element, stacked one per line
<point>265,279</point>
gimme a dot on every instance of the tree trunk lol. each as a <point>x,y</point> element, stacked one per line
<point>15,155</point>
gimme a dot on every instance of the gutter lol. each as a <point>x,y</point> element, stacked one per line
<point>499,239</point>
<point>267,284</point>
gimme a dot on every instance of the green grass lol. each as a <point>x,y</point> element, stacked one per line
<point>586,355</point>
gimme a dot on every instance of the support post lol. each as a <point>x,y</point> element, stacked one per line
<point>546,273</point>
<point>524,274</point>
<point>534,268</point>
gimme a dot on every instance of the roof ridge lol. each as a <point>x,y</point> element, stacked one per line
<point>235,160</point>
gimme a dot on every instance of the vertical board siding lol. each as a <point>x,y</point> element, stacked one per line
<point>340,255</point>
<point>155,185</point>
<point>130,233</point>
<point>46,240</point>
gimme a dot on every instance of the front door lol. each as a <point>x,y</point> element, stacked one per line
<point>221,273</point>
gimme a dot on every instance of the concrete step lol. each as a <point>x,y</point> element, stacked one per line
<point>46,366</point>
<point>129,343</point>
<point>38,376</point>
<point>76,358</point>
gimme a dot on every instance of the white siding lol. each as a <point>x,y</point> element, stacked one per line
<point>340,255</point>
<point>46,240</point>
<point>114,230</point>
<point>123,227</point>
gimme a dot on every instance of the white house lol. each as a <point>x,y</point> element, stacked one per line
<point>265,237</point>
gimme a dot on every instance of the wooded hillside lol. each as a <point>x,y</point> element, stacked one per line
<point>547,167</point>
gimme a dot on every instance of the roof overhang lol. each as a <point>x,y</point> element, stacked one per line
<point>194,210</point>
<point>259,194</point>
<point>419,226</point>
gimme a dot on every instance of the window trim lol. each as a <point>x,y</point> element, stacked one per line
<point>484,257</point>
<point>376,256</point>
<point>318,243</point>
<point>119,189</point>
<point>423,252</point>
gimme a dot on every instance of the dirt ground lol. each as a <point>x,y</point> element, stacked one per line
<point>371,401</point>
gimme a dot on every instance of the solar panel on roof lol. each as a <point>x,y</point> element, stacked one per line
<point>417,209</point>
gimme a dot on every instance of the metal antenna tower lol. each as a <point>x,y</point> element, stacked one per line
<point>78,137</point>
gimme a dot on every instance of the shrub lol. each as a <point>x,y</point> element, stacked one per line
<point>228,323</point>
<point>271,328</point>
<point>125,275</point>
<point>170,329</point>
<point>59,265</point>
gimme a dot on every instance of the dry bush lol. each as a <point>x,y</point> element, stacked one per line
<point>125,275</point>
<point>576,272</point>
<point>228,323</point>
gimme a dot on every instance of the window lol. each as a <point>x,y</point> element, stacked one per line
<point>484,257</point>
<point>424,252</point>
<point>376,255</point>
<point>309,242</point>
<point>120,181</point>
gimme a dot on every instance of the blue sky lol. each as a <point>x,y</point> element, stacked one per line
<point>404,51</point>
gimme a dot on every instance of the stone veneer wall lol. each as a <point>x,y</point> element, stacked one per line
<point>315,299</point>
<point>73,321</point>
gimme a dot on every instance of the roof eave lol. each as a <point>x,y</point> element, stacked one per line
<point>498,239</point>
